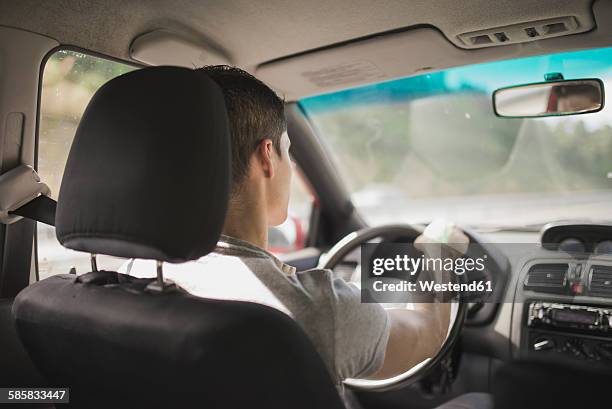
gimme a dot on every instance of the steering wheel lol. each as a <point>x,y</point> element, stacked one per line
<point>390,233</point>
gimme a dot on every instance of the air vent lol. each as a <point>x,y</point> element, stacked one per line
<point>547,278</point>
<point>601,281</point>
<point>522,32</point>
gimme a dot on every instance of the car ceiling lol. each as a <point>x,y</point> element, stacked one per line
<point>250,33</point>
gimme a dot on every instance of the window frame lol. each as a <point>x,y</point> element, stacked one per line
<point>43,64</point>
<point>41,72</point>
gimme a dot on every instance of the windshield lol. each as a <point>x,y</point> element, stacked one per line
<point>430,146</point>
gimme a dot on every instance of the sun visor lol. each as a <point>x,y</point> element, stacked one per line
<point>163,47</point>
<point>376,59</point>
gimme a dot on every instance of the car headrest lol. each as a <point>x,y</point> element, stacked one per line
<point>148,174</point>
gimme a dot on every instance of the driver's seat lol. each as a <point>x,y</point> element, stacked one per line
<point>148,177</point>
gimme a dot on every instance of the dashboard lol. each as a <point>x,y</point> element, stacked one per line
<point>562,305</point>
<point>578,238</point>
<point>556,294</point>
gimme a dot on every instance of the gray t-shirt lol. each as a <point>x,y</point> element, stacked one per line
<point>351,337</point>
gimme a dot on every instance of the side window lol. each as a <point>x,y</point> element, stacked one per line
<point>69,81</point>
<point>291,235</point>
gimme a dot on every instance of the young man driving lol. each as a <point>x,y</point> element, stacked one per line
<point>355,340</point>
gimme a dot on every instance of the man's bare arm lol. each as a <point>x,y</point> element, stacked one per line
<point>415,335</point>
<point>418,334</point>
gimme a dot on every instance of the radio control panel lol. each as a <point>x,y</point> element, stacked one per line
<point>589,319</point>
<point>573,331</point>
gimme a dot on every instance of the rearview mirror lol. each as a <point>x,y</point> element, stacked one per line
<point>556,98</point>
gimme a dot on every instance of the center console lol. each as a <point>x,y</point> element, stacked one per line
<point>573,331</point>
<point>562,305</point>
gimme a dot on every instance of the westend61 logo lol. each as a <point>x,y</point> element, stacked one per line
<point>396,272</point>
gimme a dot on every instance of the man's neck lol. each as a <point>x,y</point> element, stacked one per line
<point>246,219</point>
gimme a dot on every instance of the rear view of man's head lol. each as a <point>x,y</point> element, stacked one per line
<point>261,167</point>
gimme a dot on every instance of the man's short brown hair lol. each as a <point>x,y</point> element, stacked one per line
<point>254,111</point>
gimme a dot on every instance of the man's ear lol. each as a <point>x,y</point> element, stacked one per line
<point>264,154</point>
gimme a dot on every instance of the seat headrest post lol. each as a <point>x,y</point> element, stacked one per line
<point>94,262</point>
<point>160,273</point>
<point>159,285</point>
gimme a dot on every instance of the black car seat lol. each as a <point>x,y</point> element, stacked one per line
<point>17,368</point>
<point>148,176</point>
